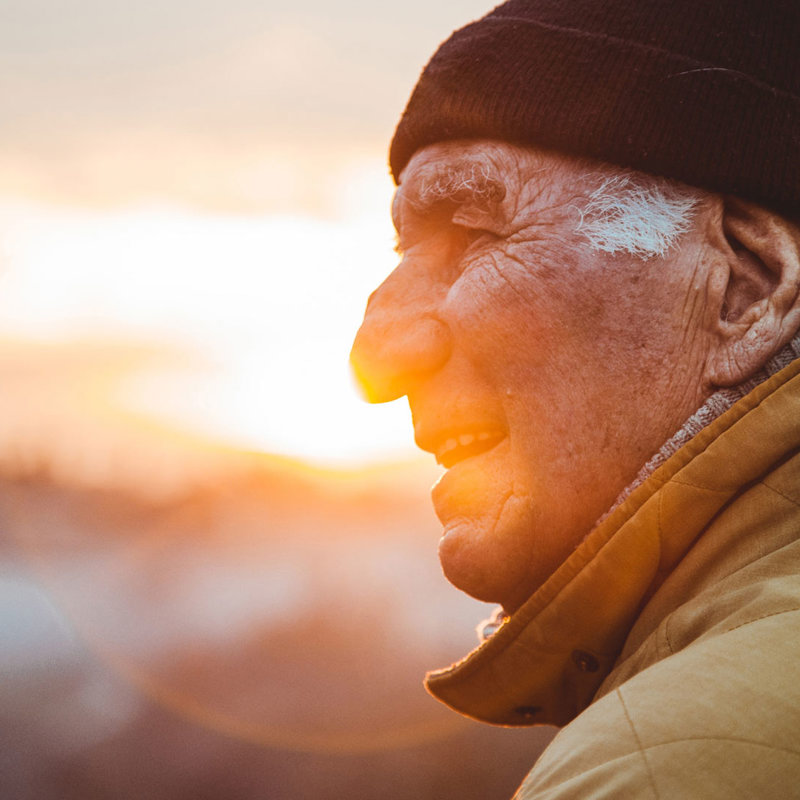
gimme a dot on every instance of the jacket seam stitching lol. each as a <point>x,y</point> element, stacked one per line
<point>781,494</point>
<point>738,740</point>
<point>692,485</point>
<point>667,637</point>
<point>765,616</point>
<point>792,610</point>
<point>659,517</point>
<point>642,749</point>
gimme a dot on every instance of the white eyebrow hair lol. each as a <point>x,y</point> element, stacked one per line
<point>467,179</point>
<point>635,213</point>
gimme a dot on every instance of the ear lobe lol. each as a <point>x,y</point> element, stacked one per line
<point>759,302</point>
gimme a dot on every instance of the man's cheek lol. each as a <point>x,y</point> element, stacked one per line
<point>489,313</point>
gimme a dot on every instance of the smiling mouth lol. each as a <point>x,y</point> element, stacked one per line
<point>466,445</point>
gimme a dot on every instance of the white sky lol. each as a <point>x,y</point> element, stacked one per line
<point>211,176</point>
<point>263,306</point>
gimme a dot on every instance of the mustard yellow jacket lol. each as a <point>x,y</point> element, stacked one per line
<point>668,644</point>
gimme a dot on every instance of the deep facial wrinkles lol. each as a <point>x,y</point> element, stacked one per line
<point>521,307</point>
<point>491,262</point>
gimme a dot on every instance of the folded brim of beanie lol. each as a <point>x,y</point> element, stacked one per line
<point>615,100</point>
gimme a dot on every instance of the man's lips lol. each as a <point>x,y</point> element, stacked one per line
<point>452,447</point>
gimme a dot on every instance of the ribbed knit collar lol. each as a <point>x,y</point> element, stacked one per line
<point>714,407</point>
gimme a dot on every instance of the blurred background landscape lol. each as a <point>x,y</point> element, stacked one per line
<point>218,571</point>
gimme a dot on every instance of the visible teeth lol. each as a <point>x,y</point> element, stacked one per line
<point>449,445</point>
<point>463,440</point>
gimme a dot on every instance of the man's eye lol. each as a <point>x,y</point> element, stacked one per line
<point>471,236</point>
<point>438,227</point>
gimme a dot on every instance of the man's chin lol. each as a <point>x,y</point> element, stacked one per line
<point>476,561</point>
<point>487,547</point>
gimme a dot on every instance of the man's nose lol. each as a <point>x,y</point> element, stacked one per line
<point>400,341</point>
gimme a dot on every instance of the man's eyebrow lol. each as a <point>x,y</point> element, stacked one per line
<point>467,180</point>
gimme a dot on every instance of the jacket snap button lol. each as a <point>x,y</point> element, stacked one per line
<point>528,712</point>
<point>584,661</point>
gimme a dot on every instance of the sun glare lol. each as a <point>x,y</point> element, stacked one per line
<point>264,308</point>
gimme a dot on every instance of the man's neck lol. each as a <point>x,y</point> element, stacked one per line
<point>714,407</point>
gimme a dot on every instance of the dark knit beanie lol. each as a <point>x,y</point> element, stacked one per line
<point>703,91</point>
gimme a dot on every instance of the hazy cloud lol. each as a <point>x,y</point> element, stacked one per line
<point>107,102</point>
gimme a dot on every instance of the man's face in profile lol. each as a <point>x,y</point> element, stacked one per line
<point>540,372</point>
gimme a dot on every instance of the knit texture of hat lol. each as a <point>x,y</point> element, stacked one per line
<point>706,92</point>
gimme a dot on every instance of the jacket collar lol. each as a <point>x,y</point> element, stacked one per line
<point>545,664</point>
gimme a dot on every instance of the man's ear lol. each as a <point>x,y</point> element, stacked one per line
<point>755,288</point>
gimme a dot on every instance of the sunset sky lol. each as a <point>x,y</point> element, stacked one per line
<point>208,181</point>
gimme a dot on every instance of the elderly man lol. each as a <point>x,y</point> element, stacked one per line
<point>595,322</point>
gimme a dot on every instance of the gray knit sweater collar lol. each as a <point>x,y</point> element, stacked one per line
<point>714,407</point>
